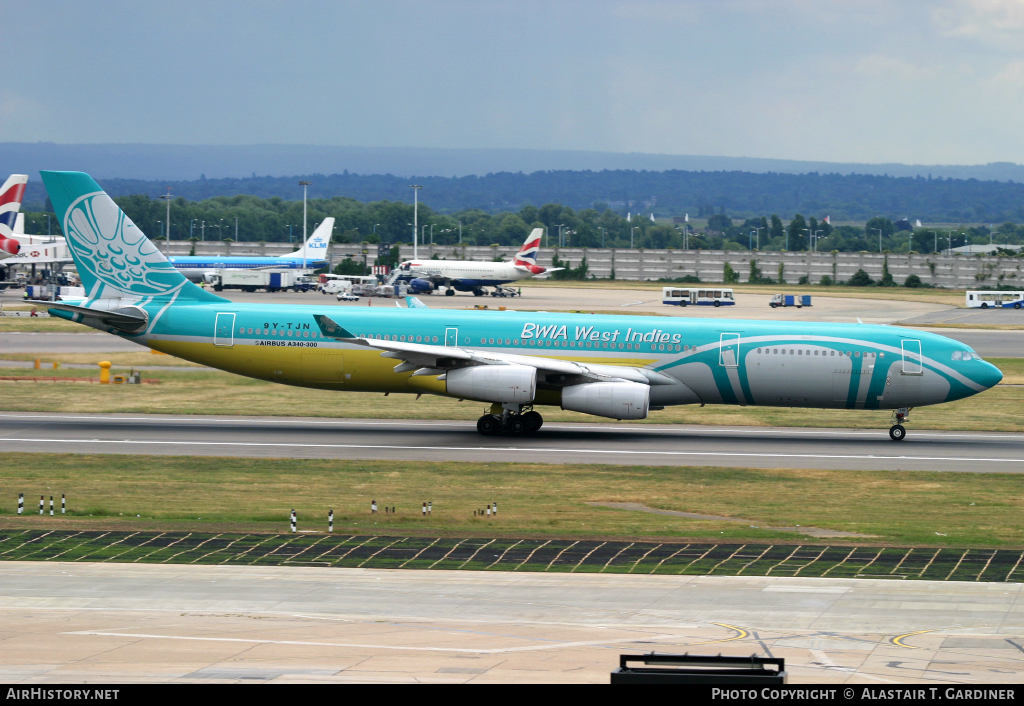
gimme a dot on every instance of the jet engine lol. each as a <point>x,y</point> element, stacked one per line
<point>420,285</point>
<point>617,400</point>
<point>494,383</point>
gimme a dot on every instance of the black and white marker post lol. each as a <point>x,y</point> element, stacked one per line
<point>495,506</point>
<point>430,507</point>
<point>424,509</point>
<point>63,504</point>
<point>293,520</point>
<point>330,521</point>
<point>21,503</point>
<point>40,504</point>
<point>51,506</point>
<point>373,507</point>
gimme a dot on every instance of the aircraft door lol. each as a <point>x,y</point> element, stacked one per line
<point>451,336</point>
<point>224,330</point>
<point>912,357</point>
<point>729,350</point>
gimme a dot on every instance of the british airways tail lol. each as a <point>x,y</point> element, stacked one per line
<point>316,245</point>
<point>11,194</point>
<point>115,259</point>
<point>526,258</point>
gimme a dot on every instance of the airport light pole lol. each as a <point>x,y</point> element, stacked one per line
<point>415,219</point>
<point>879,239</point>
<point>602,235</point>
<point>305,187</point>
<point>167,198</point>
<point>631,237</point>
<point>202,230</point>
<point>431,235</point>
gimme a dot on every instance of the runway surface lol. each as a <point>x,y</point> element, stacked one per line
<point>416,440</point>
<point>67,622</point>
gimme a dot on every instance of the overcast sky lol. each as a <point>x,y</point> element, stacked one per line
<point>860,80</point>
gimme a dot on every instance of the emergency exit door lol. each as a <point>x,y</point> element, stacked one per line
<point>224,330</point>
<point>729,350</point>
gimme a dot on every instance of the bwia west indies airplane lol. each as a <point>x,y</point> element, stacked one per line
<point>621,367</point>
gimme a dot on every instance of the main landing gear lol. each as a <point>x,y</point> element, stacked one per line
<point>898,432</point>
<point>511,420</point>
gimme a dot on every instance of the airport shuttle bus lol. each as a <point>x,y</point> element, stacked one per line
<point>994,300</point>
<point>675,296</point>
<point>515,362</point>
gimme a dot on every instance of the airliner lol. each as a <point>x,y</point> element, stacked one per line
<point>472,276</point>
<point>618,367</point>
<point>312,256</point>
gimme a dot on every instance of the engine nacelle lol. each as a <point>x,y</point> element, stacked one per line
<point>494,383</point>
<point>421,285</point>
<point>617,400</point>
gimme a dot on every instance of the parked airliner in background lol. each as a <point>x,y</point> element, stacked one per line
<point>312,256</point>
<point>621,367</point>
<point>425,276</point>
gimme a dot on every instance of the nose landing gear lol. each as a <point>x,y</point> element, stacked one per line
<point>514,422</point>
<point>897,432</point>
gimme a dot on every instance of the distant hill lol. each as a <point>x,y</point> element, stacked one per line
<point>665,193</point>
<point>188,162</point>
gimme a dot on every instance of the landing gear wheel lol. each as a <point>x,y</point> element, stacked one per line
<point>449,292</point>
<point>897,432</point>
<point>517,425</point>
<point>488,425</point>
<point>478,292</point>
<point>533,421</point>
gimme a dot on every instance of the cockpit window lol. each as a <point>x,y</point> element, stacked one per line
<point>956,355</point>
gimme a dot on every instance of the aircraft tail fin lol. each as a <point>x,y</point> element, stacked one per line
<point>11,194</point>
<point>316,245</point>
<point>527,254</point>
<point>114,258</point>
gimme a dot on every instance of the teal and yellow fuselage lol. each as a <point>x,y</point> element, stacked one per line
<point>716,361</point>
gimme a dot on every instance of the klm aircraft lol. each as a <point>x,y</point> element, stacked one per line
<point>619,367</point>
<point>312,256</point>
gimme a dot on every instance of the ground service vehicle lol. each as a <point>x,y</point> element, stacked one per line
<point>619,367</point>
<point>798,300</point>
<point>994,300</point>
<point>251,280</point>
<point>676,296</point>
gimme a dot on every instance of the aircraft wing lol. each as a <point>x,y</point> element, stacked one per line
<point>428,359</point>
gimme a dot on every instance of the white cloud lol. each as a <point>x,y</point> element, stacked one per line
<point>985,20</point>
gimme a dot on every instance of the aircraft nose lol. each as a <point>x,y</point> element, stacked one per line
<point>990,376</point>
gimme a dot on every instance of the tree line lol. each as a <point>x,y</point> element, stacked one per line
<point>852,197</point>
<point>253,219</point>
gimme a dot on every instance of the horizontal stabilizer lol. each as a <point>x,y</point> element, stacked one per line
<point>128,318</point>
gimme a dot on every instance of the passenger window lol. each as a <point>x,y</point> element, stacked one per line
<point>857,354</point>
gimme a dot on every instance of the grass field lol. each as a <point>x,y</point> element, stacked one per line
<point>535,500</point>
<point>119,360</point>
<point>214,392</point>
<point>41,324</point>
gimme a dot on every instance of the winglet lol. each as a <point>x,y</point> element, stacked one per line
<point>331,329</point>
<point>859,321</point>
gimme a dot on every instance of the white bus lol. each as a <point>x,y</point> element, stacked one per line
<point>675,296</point>
<point>994,300</point>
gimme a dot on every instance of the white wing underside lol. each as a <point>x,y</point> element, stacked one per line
<point>436,360</point>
